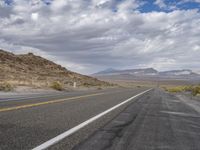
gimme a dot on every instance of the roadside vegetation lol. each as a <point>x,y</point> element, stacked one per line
<point>6,87</point>
<point>57,86</point>
<point>194,90</point>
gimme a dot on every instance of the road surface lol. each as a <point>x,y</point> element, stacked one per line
<point>156,121</point>
<point>27,122</point>
<point>148,121</point>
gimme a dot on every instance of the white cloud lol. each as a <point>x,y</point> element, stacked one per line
<point>196,48</point>
<point>2,3</point>
<point>161,64</point>
<point>34,16</point>
<point>58,4</point>
<point>160,3</point>
<point>128,5</point>
<point>86,36</point>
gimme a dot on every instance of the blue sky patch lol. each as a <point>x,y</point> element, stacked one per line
<point>169,5</point>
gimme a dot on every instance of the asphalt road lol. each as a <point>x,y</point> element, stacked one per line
<point>28,121</point>
<point>155,120</point>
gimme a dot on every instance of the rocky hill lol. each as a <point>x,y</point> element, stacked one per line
<point>31,70</point>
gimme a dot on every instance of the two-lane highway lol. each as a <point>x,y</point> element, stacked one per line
<point>26,123</point>
<point>117,119</point>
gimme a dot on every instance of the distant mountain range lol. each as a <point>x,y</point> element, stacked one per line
<point>110,71</point>
<point>148,73</point>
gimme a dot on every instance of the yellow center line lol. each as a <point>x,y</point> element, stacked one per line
<point>47,102</point>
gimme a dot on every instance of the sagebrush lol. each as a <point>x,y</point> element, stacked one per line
<point>6,87</point>
<point>57,86</point>
<point>194,90</point>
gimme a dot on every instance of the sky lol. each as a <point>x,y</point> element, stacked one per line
<point>87,36</point>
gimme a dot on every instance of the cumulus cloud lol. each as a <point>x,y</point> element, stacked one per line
<point>34,16</point>
<point>160,3</point>
<point>87,36</point>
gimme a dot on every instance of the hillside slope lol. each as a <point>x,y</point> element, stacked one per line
<point>31,70</point>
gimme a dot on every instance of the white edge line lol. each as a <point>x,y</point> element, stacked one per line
<point>78,127</point>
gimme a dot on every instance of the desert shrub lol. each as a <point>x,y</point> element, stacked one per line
<point>176,89</point>
<point>188,88</point>
<point>87,84</point>
<point>196,90</point>
<point>57,86</point>
<point>6,87</point>
<point>99,88</point>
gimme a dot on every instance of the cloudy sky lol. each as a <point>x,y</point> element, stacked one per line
<point>91,35</point>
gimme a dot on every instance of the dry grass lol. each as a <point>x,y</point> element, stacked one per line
<point>175,89</point>
<point>194,90</point>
